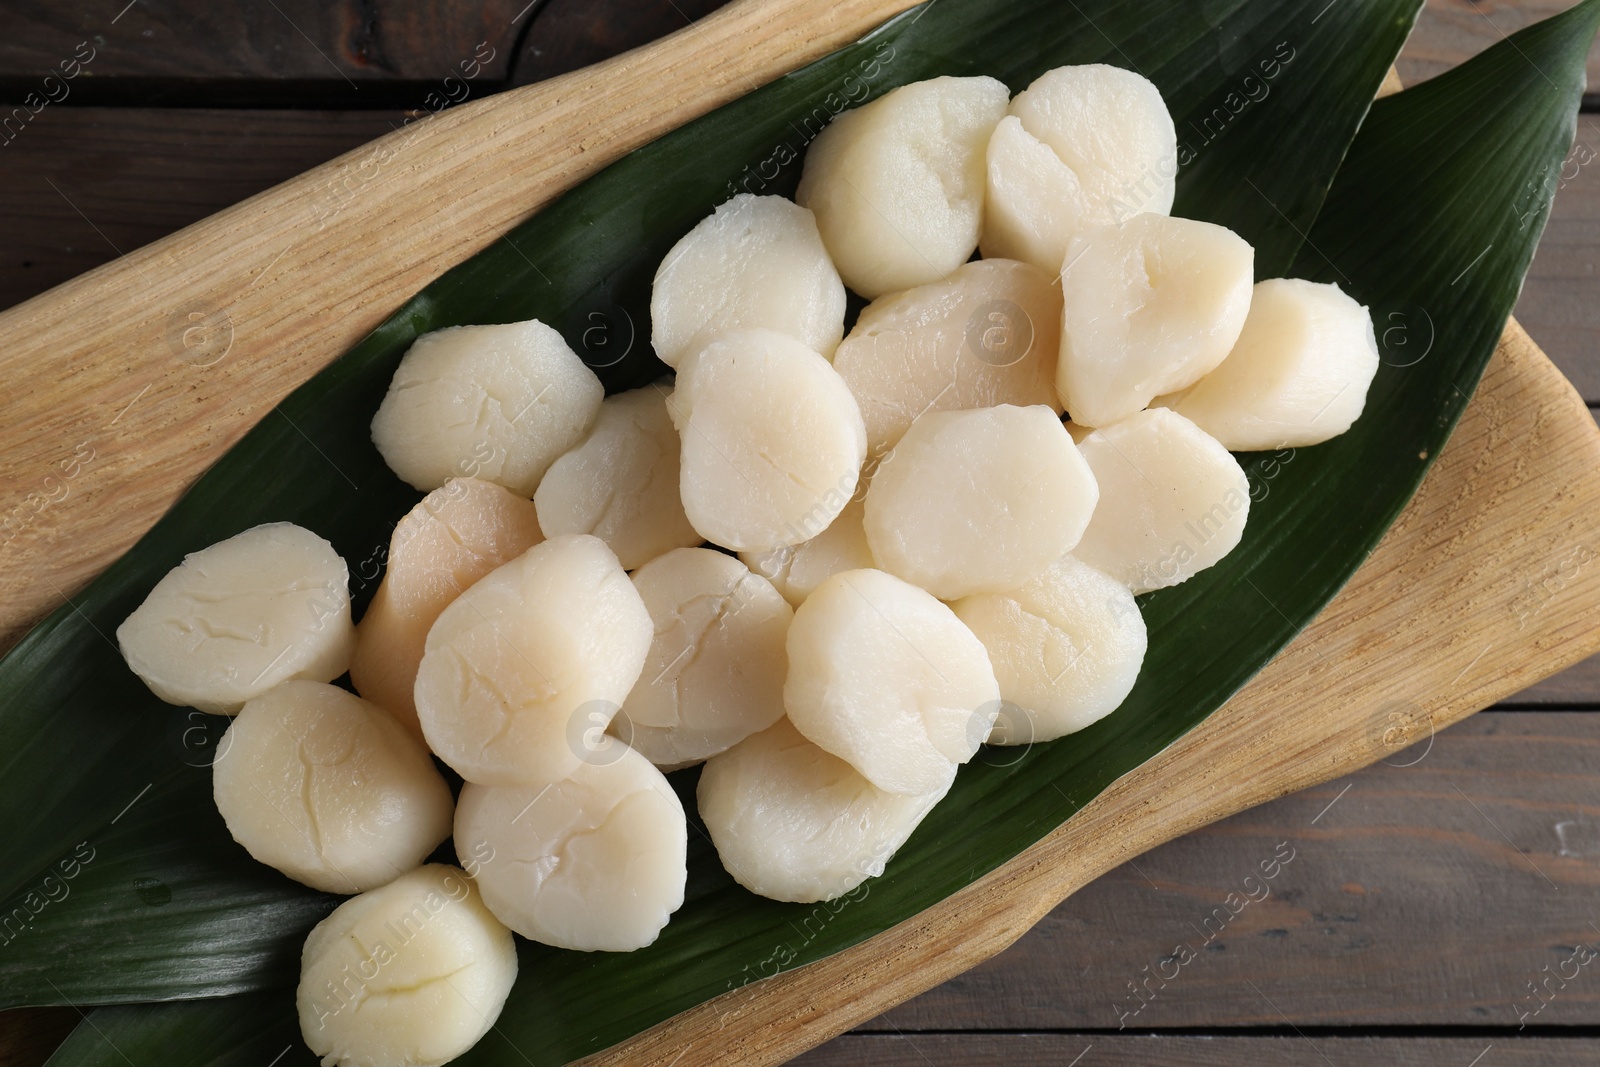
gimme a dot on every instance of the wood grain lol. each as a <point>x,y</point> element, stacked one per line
<point>1560,291</point>
<point>163,48</point>
<point>1402,905</point>
<point>575,33</point>
<point>29,1035</point>
<point>1449,32</point>
<point>87,181</point>
<point>345,44</point>
<point>376,41</point>
<point>1513,495</point>
<point>1152,1050</point>
<point>161,359</point>
<point>1577,686</point>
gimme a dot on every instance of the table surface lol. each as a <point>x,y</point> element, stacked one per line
<point>1431,901</point>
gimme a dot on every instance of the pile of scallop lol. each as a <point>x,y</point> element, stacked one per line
<point>827,567</point>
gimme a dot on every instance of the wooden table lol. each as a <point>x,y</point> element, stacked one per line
<point>1427,896</point>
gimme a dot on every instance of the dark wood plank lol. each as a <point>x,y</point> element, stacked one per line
<point>1558,304</point>
<point>82,183</point>
<point>574,33</point>
<point>1099,1050</point>
<point>1577,686</point>
<point>29,1035</point>
<point>377,41</point>
<point>1450,31</point>
<point>343,45</point>
<point>1425,895</point>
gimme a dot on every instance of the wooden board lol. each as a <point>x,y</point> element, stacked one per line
<point>1481,513</point>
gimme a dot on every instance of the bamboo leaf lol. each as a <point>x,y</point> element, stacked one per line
<point>253,1030</point>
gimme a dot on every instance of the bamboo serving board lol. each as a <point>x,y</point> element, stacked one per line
<point>155,364</point>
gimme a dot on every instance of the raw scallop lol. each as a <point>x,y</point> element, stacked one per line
<point>329,789</point>
<point>1172,501</point>
<point>1297,376</point>
<point>714,674</point>
<point>796,570</point>
<point>409,975</point>
<point>595,861</point>
<point>885,677</point>
<point>757,261</point>
<point>792,822</point>
<point>1066,650</point>
<point>1151,307</point>
<point>456,535</point>
<point>499,403</point>
<point>772,441</point>
<point>988,334</point>
<point>979,501</point>
<point>621,483</point>
<point>897,184</point>
<point>1082,147</point>
<point>526,665</point>
<point>235,619</point>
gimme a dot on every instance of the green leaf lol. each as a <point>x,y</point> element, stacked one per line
<point>253,1030</point>
<point>1433,172</point>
